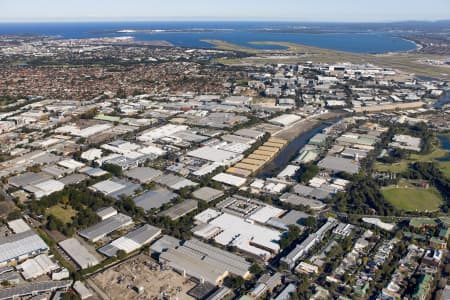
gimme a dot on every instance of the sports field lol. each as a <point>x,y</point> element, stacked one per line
<point>413,198</point>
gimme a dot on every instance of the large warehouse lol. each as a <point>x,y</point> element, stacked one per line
<point>205,262</point>
<point>105,227</point>
<point>82,257</point>
<point>131,241</point>
<point>219,156</point>
<point>227,228</point>
<point>18,247</point>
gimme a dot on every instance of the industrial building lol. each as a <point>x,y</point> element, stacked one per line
<point>20,246</point>
<point>44,188</point>
<point>34,289</point>
<point>181,209</point>
<point>339,164</point>
<point>116,188</point>
<point>230,179</point>
<point>256,160</point>
<point>207,194</point>
<point>204,262</point>
<point>131,241</point>
<point>174,182</point>
<point>78,253</point>
<point>37,266</point>
<point>18,226</point>
<point>82,290</point>
<point>105,227</point>
<point>106,212</point>
<point>154,199</point>
<point>285,120</point>
<point>222,157</point>
<point>143,174</point>
<point>236,228</point>
<point>293,217</point>
<point>164,243</point>
<point>299,200</point>
<point>28,178</point>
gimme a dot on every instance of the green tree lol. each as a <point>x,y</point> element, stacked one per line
<point>121,254</point>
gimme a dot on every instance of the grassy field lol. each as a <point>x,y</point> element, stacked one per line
<point>399,167</point>
<point>63,214</point>
<point>445,167</point>
<point>413,198</point>
<point>407,62</point>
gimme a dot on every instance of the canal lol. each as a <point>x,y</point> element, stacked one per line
<point>290,152</point>
<point>443,100</point>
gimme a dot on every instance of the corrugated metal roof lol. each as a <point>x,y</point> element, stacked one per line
<point>17,245</point>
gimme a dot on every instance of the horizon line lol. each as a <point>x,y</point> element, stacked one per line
<point>207,19</point>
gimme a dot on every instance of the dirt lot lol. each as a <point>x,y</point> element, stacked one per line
<point>142,271</point>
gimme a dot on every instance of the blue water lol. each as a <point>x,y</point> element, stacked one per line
<point>445,144</point>
<point>241,33</point>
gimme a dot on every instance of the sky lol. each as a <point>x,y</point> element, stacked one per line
<point>224,10</point>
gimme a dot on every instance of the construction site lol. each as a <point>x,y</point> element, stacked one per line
<point>143,278</point>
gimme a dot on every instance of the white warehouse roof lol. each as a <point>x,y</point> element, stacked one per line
<point>18,226</point>
<point>285,120</point>
<point>230,179</point>
<point>19,245</point>
<point>213,154</point>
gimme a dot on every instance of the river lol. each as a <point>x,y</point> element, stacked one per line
<point>443,100</point>
<point>288,153</point>
<point>445,144</point>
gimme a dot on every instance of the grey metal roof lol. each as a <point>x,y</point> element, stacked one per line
<point>105,227</point>
<point>128,190</point>
<point>180,209</point>
<point>28,178</point>
<point>154,199</point>
<point>73,179</point>
<point>207,194</point>
<point>140,236</point>
<point>298,200</point>
<point>143,234</point>
<point>33,288</point>
<point>291,218</point>
<point>173,181</point>
<point>204,261</point>
<point>164,243</point>
<point>190,137</point>
<point>79,253</point>
<point>143,174</point>
<point>107,211</point>
<point>235,264</point>
<point>17,245</point>
<point>303,190</point>
<point>249,133</point>
<point>339,164</point>
<point>55,171</point>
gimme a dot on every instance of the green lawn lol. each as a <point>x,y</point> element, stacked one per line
<point>399,167</point>
<point>63,214</point>
<point>445,167</point>
<point>413,198</point>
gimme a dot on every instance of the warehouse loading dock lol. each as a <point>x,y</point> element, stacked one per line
<point>253,162</point>
<point>239,172</point>
<point>256,160</point>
